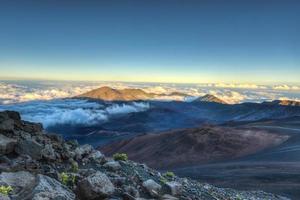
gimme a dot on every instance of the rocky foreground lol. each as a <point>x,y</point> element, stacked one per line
<point>40,166</point>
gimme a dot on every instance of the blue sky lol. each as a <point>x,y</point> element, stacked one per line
<point>156,41</point>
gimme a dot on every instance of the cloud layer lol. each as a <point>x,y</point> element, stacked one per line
<point>72,111</point>
<point>23,91</point>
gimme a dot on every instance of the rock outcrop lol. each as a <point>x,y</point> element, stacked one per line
<point>39,166</point>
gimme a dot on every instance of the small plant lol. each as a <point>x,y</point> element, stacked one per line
<point>120,156</point>
<point>169,174</point>
<point>163,180</point>
<point>5,190</point>
<point>67,179</point>
<point>74,167</point>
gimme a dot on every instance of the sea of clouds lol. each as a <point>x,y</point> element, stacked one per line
<point>43,101</point>
<point>72,111</point>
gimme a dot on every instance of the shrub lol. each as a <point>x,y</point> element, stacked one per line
<point>5,190</point>
<point>163,180</point>
<point>169,174</point>
<point>67,179</point>
<point>74,167</point>
<point>120,156</point>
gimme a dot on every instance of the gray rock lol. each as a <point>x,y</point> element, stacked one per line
<point>7,120</point>
<point>30,147</point>
<point>7,145</point>
<point>174,187</point>
<point>152,187</point>
<point>96,156</point>
<point>50,189</point>
<point>95,186</point>
<point>22,182</point>
<point>4,197</point>
<point>112,165</point>
<point>48,152</point>
<point>169,197</point>
<point>82,151</point>
<point>132,191</point>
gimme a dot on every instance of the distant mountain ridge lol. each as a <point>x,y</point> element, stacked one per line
<point>283,103</point>
<point>134,94</point>
<point>130,94</point>
<point>110,94</point>
<point>210,98</point>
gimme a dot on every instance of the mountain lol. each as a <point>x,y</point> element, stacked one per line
<point>110,94</point>
<point>35,165</point>
<point>283,103</point>
<point>194,146</point>
<point>210,98</point>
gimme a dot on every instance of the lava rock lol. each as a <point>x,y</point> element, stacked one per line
<point>95,186</point>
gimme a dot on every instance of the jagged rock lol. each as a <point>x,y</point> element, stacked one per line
<point>30,147</point>
<point>21,182</point>
<point>174,187</point>
<point>132,191</point>
<point>48,152</point>
<point>112,165</point>
<point>49,188</point>
<point>95,186</point>
<point>8,119</point>
<point>4,197</point>
<point>7,145</point>
<point>152,187</point>
<point>96,156</point>
<point>168,197</point>
<point>82,151</point>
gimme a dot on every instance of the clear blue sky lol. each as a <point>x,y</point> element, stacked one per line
<point>151,40</point>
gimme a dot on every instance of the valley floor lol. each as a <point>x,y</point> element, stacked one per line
<point>275,170</point>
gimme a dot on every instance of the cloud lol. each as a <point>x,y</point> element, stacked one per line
<point>72,111</point>
<point>286,87</point>
<point>17,91</point>
<point>245,86</point>
<point>127,108</point>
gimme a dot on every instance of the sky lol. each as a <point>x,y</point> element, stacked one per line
<point>169,41</point>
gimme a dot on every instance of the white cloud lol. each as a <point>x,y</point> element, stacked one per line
<point>71,111</point>
<point>14,92</point>
<point>286,87</point>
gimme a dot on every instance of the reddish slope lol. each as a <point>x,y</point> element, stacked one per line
<point>193,146</point>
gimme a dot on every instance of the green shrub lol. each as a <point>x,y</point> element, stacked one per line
<point>74,167</point>
<point>5,190</point>
<point>169,174</point>
<point>67,179</point>
<point>120,156</point>
<point>163,180</point>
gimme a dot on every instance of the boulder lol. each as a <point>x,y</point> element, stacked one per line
<point>174,187</point>
<point>48,188</point>
<point>7,145</point>
<point>83,151</point>
<point>152,187</point>
<point>8,119</point>
<point>132,191</point>
<point>95,186</point>
<point>4,197</point>
<point>169,197</point>
<point>112,165</point>
<point>30,147</point>
<point>22,183</point>
<point>96,156</point>
<point>48,152</point>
